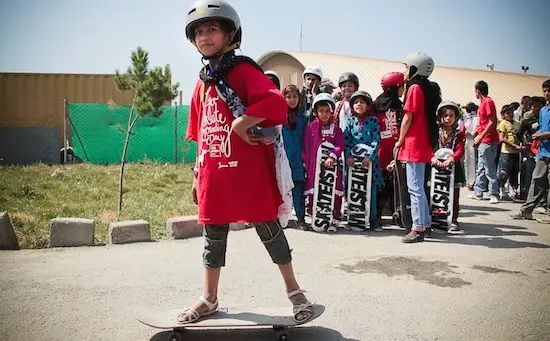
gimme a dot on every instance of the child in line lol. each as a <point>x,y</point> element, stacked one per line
<point>312,77</point>
<point>528,126</point>
<point>293,138</point>
<point>348,84</point>
<point>417,137</point>
<point>452,136</point>
<point>363,128</point>
<point>388,108</point>
<point>509,156</point>
<point>323,129</point>
<point>235,174</point>
<point>539,182</point>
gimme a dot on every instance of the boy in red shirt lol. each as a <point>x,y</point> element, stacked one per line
<point>486,141</point>
<point>235,178</point>
<point>415,146</point>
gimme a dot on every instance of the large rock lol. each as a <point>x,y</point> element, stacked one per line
<point>187,227</point>
<point>71,232</point>
<point>8,238</point>
<point>130,231</point>
<point>183,227</point>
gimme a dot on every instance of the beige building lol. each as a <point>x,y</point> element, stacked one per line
<point>37,99</point>
<point>456,84</point>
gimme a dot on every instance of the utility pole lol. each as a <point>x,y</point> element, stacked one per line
<point>301,35</point>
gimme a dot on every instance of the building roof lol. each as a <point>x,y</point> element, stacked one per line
<point>457,84</point>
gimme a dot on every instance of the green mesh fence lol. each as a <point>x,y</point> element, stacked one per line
<point>98,133</point>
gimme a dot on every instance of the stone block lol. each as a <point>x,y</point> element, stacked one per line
<point>71,232</point>
<point>183,227</point>
<point>129,231</point>
<point>8,238</point>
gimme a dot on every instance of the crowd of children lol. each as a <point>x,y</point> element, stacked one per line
<point>390,127</point>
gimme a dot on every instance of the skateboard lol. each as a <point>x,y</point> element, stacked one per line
<point>402,214</point>
<point>359,190</point>
<point>229,317</point>
<point>442,191</point>
<point>324,190</point>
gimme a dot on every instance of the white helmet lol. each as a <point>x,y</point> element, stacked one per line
<point>313,71</point>
<point>272,73</point>
<point>324,97</point>
<point>424,64</point>
<point>274,78</point>
<point>449,104</point>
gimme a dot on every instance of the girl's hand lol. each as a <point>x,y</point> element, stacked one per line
<point>329,163</point>
<point>350,162</point>
<point>434,161</point>
<point>366,162</point>
<point>194,189</point>
<point>241,128</point>
<point>448,163</point>
<point>396,148</point>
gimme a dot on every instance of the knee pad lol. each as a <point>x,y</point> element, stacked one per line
<point>274,239</point>
<point>215,245</point>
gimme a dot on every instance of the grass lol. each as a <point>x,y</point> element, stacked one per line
<point>32,195</point>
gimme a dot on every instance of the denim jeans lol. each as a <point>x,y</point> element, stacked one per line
<point>420,210</point>
<point>486,169</point>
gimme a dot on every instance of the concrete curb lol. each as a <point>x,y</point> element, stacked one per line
<point>129,231</point>
<point>8,238</point>
<point>65,232</point>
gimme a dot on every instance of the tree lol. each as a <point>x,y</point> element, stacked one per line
<point>151,88</point>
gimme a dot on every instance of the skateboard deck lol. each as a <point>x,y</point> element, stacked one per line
<point>402,212</point>
<point>359,191</point>
<point>324,190</point>
<point>228,317</point>
<point>442,192</point>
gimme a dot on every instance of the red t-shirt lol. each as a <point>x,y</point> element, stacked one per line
<point>236,181</point>
<point>486,110</point>
<point>389,134</point>
<point>417,146</point>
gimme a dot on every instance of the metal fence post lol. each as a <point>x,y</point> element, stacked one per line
<point>65,131</point>
<point>175,132</point>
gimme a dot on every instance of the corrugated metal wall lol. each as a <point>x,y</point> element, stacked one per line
<point>36,99</point>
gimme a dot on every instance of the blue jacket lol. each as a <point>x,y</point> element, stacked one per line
<point>294,144</point>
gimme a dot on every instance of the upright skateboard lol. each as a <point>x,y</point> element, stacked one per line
<point>442,192</point>
<point>275,317</point>
<point>402,213</point>
<point>359,190</point>
<point>324,190</point>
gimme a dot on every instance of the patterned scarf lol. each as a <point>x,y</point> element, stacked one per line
<point>447,141</point>
<point>225,65</point>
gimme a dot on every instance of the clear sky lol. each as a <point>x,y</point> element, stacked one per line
<point>84,36</point>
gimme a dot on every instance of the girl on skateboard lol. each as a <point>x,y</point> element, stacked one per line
<point>388,109</point>
<point>452,136</point>
<point>323,129</point>
<point>235,175</point>
<point>363,128</point>
<point>293,137</point>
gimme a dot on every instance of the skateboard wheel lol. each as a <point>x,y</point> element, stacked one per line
<point>175,337</point>
<point>283,337</point>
